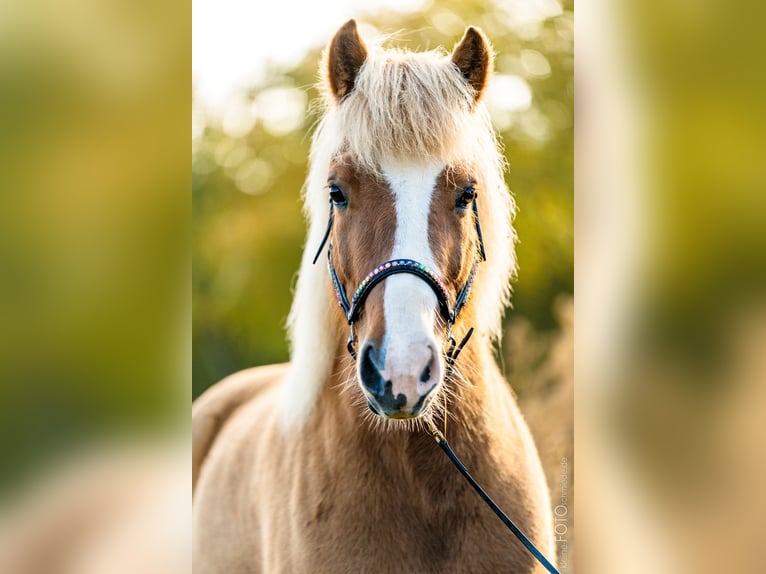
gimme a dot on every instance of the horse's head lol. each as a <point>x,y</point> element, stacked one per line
<point>402,184</point>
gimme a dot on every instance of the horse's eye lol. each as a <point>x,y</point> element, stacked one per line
<point>466,197</point>
<point>337,196</point>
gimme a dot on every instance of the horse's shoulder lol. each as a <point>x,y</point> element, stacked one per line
<point>212,410</point>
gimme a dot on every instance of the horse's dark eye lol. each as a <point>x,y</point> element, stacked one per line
<point>466,197</point>
<point>337,196</point>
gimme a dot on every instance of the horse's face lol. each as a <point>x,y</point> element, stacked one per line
<point>406,209</point>
<point>418,212</point>
<point>403,208</point>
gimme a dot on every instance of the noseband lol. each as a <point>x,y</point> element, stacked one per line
<point>448,312</point>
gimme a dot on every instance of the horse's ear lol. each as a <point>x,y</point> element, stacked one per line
<point>345,56</point>
<point>473,57</point>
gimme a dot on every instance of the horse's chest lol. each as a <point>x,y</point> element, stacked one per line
<point>384,530</point>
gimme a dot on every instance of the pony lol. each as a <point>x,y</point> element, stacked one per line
<point>322,465</point>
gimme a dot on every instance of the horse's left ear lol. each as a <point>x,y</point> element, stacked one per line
<point>473,57</point>
<point>345,56</point>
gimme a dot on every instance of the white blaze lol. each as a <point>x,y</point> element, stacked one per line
<point>409,303</point>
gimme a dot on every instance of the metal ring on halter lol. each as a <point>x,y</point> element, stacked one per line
<point>351,341</point>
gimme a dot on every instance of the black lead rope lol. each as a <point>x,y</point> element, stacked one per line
<point>454,351</point>
<point>442,442</point>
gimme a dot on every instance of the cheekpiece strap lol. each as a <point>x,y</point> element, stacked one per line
<point>340,292</point>
<point>326,233</point>
<point>465,293</point>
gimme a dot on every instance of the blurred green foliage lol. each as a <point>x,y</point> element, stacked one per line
<point>248,169</point>
<point>700,76</point>
<point>94,113</point>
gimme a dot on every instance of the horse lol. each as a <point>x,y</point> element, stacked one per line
<point>323,464</point>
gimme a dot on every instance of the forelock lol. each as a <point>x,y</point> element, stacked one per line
<point>407,105</point>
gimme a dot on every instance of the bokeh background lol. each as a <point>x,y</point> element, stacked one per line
<point>94,266</point>
<point>93,235</point>
<point>671,284</point>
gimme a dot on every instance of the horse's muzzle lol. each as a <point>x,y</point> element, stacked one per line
<point>404,392</point>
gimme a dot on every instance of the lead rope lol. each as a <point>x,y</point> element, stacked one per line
<point>442,442</point>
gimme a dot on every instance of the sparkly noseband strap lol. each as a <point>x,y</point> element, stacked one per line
<point>391,268</point>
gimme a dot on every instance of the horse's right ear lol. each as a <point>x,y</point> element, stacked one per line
<point>473,57</point>
<point>345,56</point>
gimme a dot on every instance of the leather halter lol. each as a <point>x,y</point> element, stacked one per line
<point>448,312</point>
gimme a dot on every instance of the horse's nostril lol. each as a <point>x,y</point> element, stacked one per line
<point>368,371</point>
<point>372,407</point>
<point>425,374</point>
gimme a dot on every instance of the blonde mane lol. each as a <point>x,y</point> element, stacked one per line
<point>404,105</point>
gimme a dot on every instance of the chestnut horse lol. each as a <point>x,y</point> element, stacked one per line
<point>322,465</point>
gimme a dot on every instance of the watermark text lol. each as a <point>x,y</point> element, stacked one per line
<point>561,517</point>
